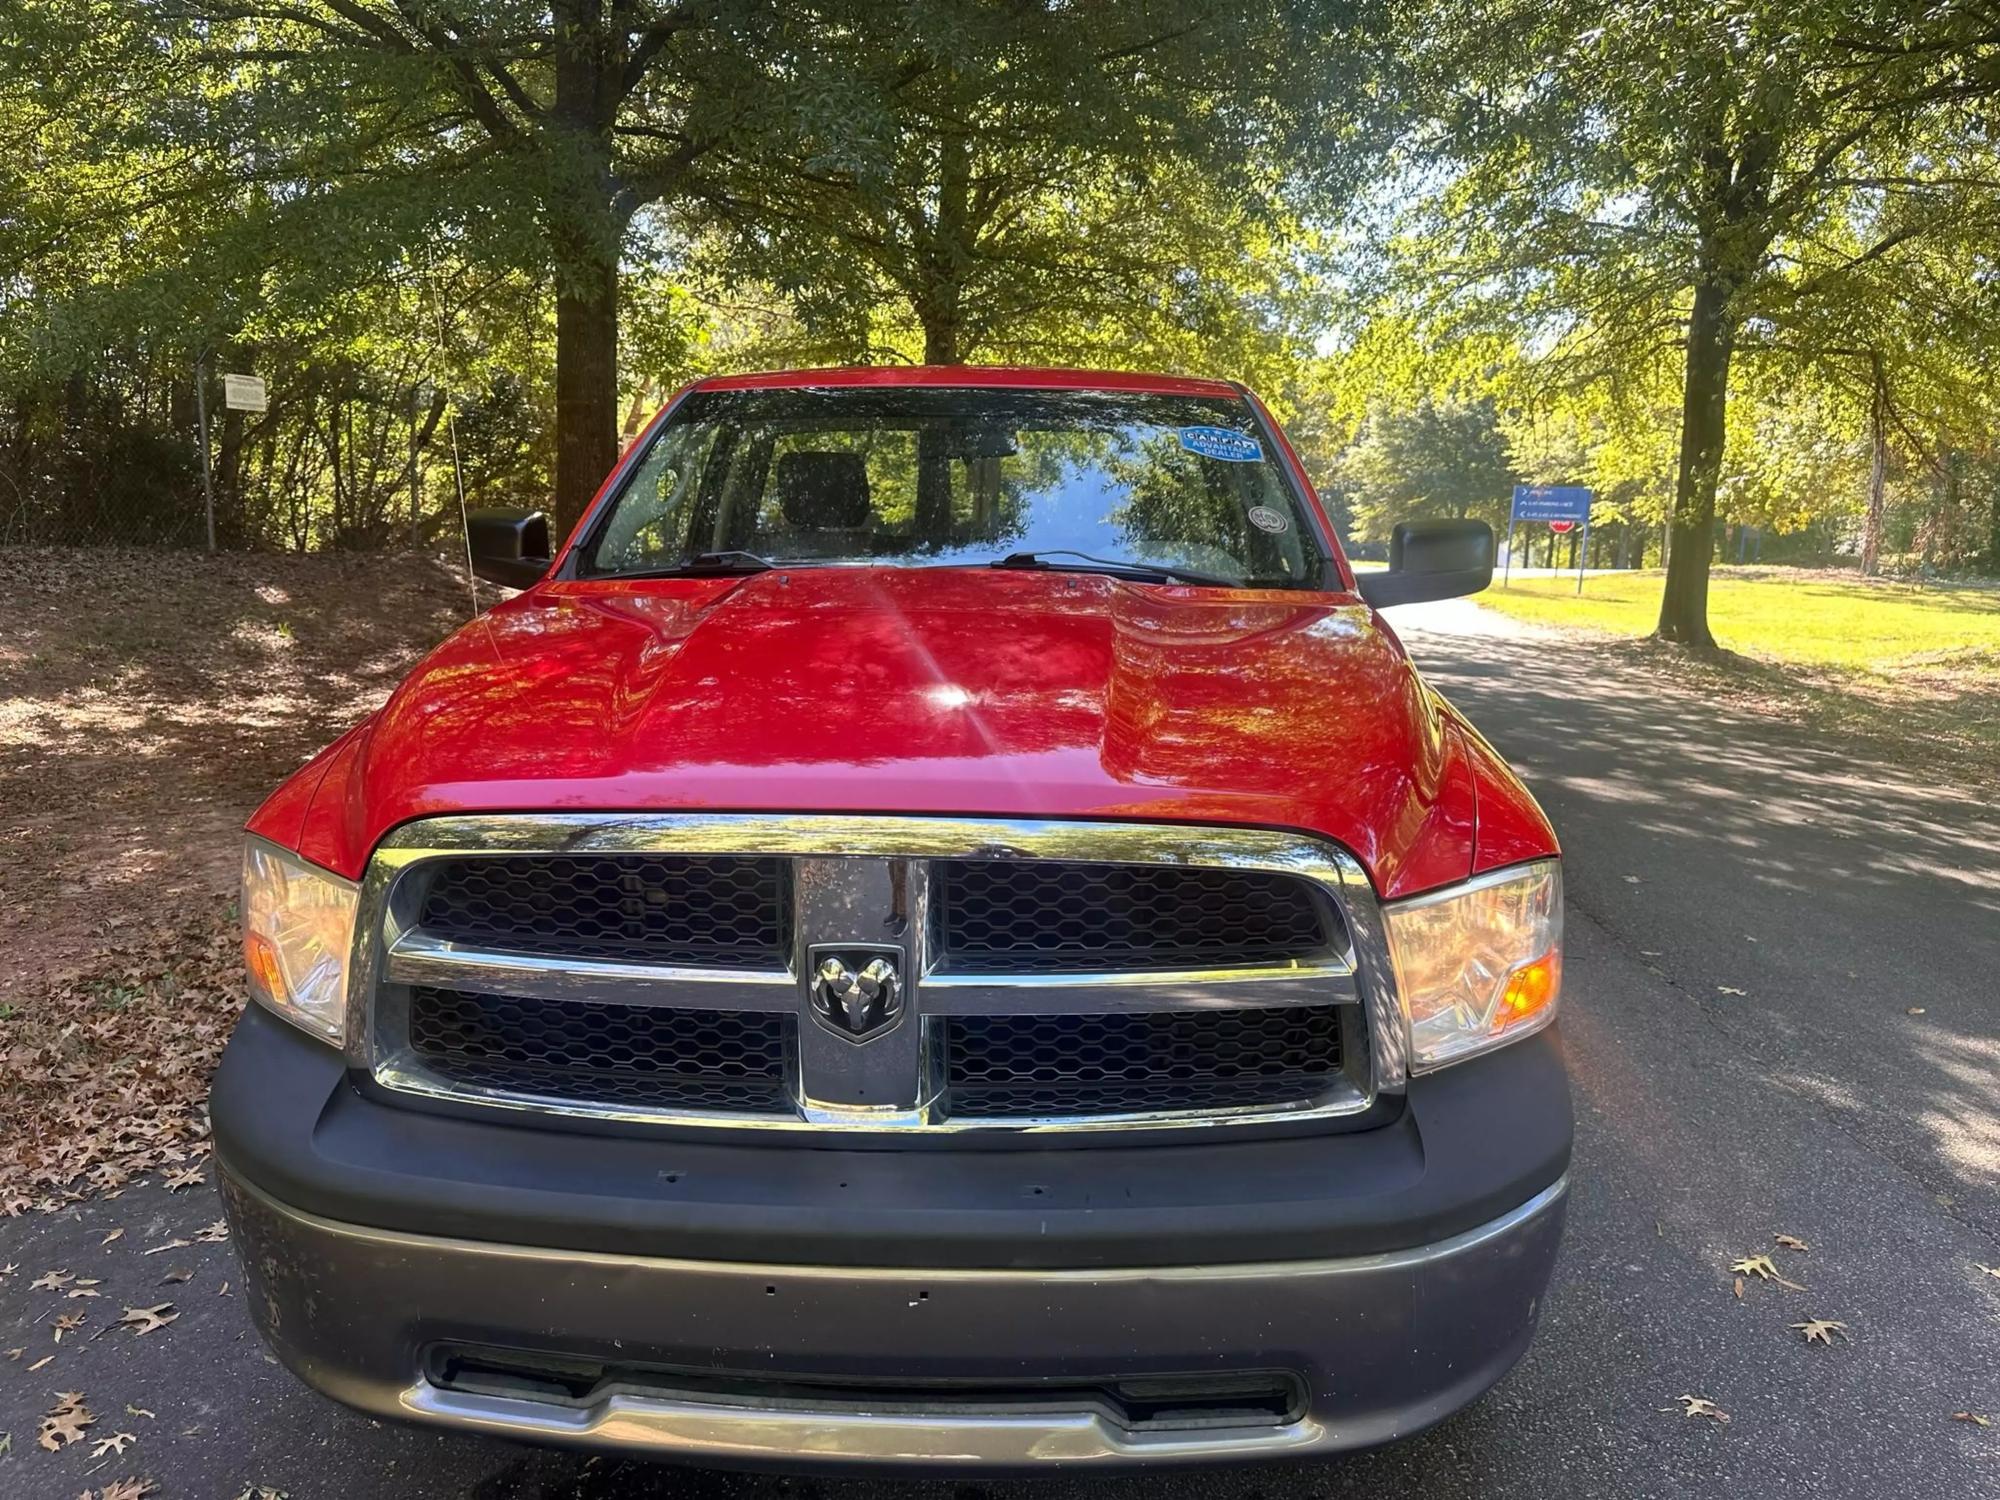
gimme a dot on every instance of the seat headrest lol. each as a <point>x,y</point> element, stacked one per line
<point>823,491</point>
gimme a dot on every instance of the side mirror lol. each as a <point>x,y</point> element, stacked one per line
<point>509,547</point>
<point>1432,560</point>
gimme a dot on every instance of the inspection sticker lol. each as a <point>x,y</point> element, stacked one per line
<point>1266,519</point>
<point>1221,442</point>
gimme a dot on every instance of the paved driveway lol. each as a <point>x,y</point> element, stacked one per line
<point>1783,1017</point>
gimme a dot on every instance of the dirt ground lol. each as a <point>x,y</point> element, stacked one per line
<point>148,702</point>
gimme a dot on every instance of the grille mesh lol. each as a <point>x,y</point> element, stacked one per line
<point>660,1056</point>
<point>1157,1060</point>
<point>721,911</point>
<point>1036,916</point>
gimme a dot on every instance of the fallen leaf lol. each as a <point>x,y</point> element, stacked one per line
<point>1701,1406</point>
<point>81,1291</point>
<point>223,1290</point>
<point>1730,990</point>
<point>169,1245</point>
<point>262,1492</point>
<point>1822,1329</point>
<point>68,1323</point>
<point>10,1268</point>
<point>175,1181</point>
<point>6,1443</point>
<point>136,1411</point>
<point>116,1234</point>
<point>1989,1270</point>
<point>65,1421</point>
<point>1792,1242</point>
<point>1631,879</point>
<point>173,1278</point>
<point>215,1234</point>
<point>118,1442</point>
<point>1971,1416</point>
<point>127,1489</point>
<point>52,1281</point>
<point>1914,1010</point>
<point>17,1353</point>
<point>1764,1268</point>
<point>146,1319</point>
<point>1649,953</point>
<point>39,1363</point>
<point>1739,1289</point>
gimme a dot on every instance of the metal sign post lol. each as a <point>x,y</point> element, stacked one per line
<point>201,422</point>
<point>1562,506</point>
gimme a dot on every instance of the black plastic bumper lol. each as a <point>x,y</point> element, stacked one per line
<point>1473,1142</point>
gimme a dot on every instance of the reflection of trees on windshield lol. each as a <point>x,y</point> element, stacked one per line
<point>956,475</point>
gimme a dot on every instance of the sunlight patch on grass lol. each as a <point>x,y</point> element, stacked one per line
<point>1812,619</point>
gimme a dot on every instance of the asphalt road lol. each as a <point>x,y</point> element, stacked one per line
<point>1781,1008</point>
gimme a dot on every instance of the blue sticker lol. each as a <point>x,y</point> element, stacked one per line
<point>1221,442</point>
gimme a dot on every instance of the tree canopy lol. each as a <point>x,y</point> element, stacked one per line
<point>1728,264</point>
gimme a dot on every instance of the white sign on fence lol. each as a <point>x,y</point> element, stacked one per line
<point>243,392</point>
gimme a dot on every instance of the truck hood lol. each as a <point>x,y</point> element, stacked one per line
<point>940,690</point>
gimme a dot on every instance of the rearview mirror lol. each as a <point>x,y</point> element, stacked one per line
<point>509,547</point>
<point>1432,560</point>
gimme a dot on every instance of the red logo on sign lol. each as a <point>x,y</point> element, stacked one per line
<point>1559,527</point>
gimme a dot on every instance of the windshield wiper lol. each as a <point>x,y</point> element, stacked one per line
<point>706,565</point>
<point>1138,572</point>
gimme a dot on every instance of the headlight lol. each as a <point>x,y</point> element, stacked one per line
<point>1478,965</point>
<point>298,926</point>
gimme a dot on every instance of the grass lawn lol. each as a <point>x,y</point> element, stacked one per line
<point>1913,668</point>
<point>1809,618</point>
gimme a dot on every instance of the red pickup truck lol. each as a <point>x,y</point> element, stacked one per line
<point>941,930</point>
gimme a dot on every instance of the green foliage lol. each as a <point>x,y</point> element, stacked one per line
<point>1435,458</point>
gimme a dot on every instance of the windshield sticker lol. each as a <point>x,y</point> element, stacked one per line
<point>1266,519</point>
<point>1222,443</point>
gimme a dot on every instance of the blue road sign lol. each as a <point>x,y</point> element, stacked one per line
<point>1551,502</point>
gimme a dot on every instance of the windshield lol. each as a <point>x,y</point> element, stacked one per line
<point>962,476</point>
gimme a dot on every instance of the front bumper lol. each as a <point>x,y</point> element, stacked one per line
<point>783,1306</point>
<point>1380,1345</point>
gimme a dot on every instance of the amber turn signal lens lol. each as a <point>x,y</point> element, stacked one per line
<point>267,972</point>
<point>1532,987</point>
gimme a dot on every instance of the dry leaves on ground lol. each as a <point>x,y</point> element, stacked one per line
<point>1701,1406</point>
<point>1791,1242</point>
<point>146,1319</point>
<point>110,1079</point>
<point>124,1489</point>
<point>145,710</point>
<point>1973,1417</point>
<point>1821,1329</point>
<point>65,1422</point>
<point>1763,1268</point>
<point>118,1442</point>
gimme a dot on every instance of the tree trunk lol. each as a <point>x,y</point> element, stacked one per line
<point>586,235</point>
<point>1878,469</point>
<point>586,387</point>
<point>940,300</point>
<point>1710,337</point>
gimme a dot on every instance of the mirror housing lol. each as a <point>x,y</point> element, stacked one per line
<point>509,547</point>
<point>1431,560</point>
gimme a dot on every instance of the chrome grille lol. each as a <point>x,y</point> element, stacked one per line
<point>1037,916</point>
<point>643,1055</point>
<point>657,968</point>
<point>1141,1063</point>
<point>726,912</point>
